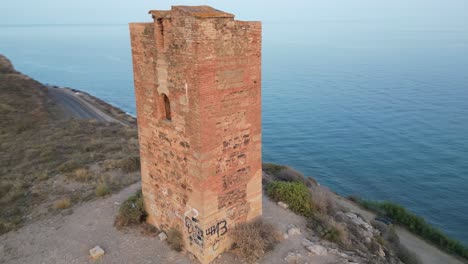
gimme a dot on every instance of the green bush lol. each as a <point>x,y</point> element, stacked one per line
<point>295,194</point>
<point>288,174</point>
<point>416,225</point>
<point>272,168</point>
<point>131,212</point>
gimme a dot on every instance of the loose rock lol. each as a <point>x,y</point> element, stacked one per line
<point>96,252</point>
<point>162,236</point>
<point>306,242</point>
<point>284,205</point>
<point>293,258</point>
<point>317,250</point>
<point>293,230</point>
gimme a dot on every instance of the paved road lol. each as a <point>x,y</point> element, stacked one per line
<point>426,252</point>
<point>77,107</point>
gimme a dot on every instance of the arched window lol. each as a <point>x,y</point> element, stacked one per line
<point>167,107</point>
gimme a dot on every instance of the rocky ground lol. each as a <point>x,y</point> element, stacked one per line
<point>67,238</point>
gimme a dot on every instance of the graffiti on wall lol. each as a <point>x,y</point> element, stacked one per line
<point>196,235</point>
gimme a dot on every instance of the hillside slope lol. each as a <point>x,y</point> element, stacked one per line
<point>50,160</point>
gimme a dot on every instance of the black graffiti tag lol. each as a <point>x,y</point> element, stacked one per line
<point>195,233</point>
<point>220,229</point>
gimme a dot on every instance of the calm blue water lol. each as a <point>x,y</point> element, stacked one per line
<point>366,108</point>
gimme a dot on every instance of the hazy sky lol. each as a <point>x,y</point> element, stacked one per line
<point>444,12</point>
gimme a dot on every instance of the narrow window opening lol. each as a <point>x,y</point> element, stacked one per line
<point>167,107</point>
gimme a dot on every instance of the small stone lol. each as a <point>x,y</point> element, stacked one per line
<point>285,236</point>
<point>293,258</point>
<point>381,253</point>
<point>284,205</point>
<point>293,230</point>
<point>317,250</point>
<point>96,252</point>
<point>162,236</point>
<point>306,242</point>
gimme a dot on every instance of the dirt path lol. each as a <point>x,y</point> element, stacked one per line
<point>67,238</point>
<point>428,253</point>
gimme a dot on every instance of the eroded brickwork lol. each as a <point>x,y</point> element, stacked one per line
<point>198,85</point>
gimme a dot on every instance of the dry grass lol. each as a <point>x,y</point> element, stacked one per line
<point>252,240</point>
<point>324,200</point>
<point>82,175</point>
<point>175,239</point>
<point>42,150</point>
<point>102,190</point>
<point>62,203</point>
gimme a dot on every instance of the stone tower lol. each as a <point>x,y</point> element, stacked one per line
<point>198,87</point>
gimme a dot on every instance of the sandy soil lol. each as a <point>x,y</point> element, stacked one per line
<point>428,253</point>
<point>67,238</point>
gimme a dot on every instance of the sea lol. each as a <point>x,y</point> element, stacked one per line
<point>367,108</point>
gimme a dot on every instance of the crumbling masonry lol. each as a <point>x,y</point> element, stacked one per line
<point>198,85</point>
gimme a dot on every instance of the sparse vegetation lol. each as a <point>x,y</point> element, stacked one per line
<point>131,212</point>
<point>253,239</point>
<point>295,194</point>
<point>285,173</point>
<point>328,229</point>
<point>43,151</point>
<point>82,175</point>
<point>102,190</point>
<point>62,203</point>
<point>126,164</point>
<point>415,224</point>
<point>175,239</point>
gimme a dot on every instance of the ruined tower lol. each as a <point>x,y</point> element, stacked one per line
<point>198,85</point>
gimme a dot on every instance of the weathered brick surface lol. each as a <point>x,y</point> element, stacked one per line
<point>201,170</point>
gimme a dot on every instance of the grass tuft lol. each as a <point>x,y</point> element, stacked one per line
<point>102,190</point>
<point>62,203</point>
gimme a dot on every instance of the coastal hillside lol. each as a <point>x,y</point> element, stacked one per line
<point>69,169</point>
<point>52,157</point>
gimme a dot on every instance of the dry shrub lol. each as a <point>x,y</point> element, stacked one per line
<point>324,200</point>
<point>62,203</point>
<point>102,190</point>
<point>9,191</point>
<point>131,212</point>
<point>175,239</point>
<point>68,166</point>
<point>82,175</point>
<point>329,229</point>
<point>126,165</point>
<point>149,229</point>
<point>253,239</point>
